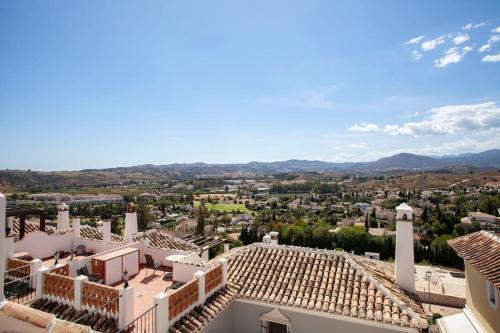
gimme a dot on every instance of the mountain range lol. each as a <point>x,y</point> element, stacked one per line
<point>403,161</point>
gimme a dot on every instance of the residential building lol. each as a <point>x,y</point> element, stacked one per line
<point>271,288</point>
<point>481,254</point>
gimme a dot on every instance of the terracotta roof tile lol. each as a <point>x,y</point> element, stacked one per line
<point>32,227</point>
<point>93,233</point>
<point>482,251</point>
<point>98,321</point>
<point>160,239</point>
<point>200,316</point>
<point>324,281</point>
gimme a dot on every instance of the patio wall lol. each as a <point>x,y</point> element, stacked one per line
<point>42,245</point>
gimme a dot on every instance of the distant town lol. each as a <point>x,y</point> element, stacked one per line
<point>160,218</point>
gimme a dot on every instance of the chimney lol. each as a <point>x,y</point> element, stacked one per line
<point>62,216</point>
<point>130,222</point>
<point>405,262</point>
<point>106,232</point>
<point>76,229</point>
<point>271,238</point>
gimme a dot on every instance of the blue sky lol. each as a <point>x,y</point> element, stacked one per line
<point>88,84</point>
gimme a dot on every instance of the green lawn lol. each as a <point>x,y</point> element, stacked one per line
<point>224,208</point>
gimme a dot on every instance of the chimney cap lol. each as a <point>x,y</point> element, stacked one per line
<point>131,207</point>
<point>404,206</point>
<point>62,206</point>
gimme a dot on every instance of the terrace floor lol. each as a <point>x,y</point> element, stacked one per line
<point>146,286</point>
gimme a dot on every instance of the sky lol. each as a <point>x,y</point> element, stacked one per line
<point>96,84</point>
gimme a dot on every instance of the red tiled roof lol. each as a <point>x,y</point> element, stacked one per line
<point>32,227</point>
<point>160,239</point>
<point>324,281</point>
<point>482,251</point>
<point>200,316</point>
<point>88,232</point>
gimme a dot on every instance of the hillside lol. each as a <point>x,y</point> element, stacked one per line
<point>20,180</point>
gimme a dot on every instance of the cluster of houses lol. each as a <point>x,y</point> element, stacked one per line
<point>155,282</point>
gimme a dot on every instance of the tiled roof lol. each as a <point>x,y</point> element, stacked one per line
<point>88,232</point>
<point>482,251</point>
<point>160,239</point>
<point>324,281</point>
<point>384,273</point>
<point>98,322</point>
<point>200,316</point>
<point>33,226</point>
<point>203,241</point>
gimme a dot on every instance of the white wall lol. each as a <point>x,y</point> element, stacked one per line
<point>223,323</point>
<point>246,319</point>
<point>184,272</point>
<point>41,245</point>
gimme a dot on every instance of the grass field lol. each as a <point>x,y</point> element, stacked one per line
<point>224,208</point>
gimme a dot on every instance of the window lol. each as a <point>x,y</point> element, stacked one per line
<point>277,328</point>
<point>492,294</point>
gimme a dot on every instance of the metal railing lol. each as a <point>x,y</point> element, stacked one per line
<point>20,290</point>
<point>102,309</point>
<point>18,272</point>
<point>145,323</point>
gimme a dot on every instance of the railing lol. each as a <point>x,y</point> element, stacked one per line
<point>59,286</point>
<point>63,270</point>
<point>101,309</point>
<point>145,323</point>
<point>213,278</point>
<point>182,299</point>
<point>96,295</point>
<point>20,290</point>
<point>17,268</point>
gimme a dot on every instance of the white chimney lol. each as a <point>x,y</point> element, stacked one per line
<point>405,262</point>
<point>62,216</point>
<point>76,229</point>
<point>130,222</point>
<point>106,232</point>
<point>271,238</point>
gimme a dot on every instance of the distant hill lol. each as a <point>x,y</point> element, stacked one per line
<point>143,174</point>
<point>407,161</point>
<point>488,158</point>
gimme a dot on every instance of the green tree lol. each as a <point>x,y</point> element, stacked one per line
<point>144,218</point>
<point>200,226</point>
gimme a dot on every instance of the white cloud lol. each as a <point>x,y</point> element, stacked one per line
<point>452,56</point>
<point>485,47</point>
<point>496,30</point>
<point>364,127</point>
<point>451,119</point>
<point>460,38</point>
<point>493,39</point>
<point>471,26</point>
<point>433,43</point>
<point>491,58</point>
<point>414,40</point>
<point>416,55</point>
<point>357,146</point>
